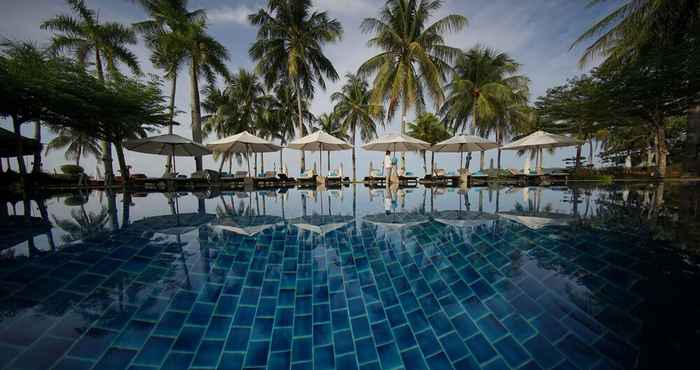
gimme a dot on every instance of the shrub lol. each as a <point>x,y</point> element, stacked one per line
<point>71,169</point>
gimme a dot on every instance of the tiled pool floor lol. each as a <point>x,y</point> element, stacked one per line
<point>428,296</point>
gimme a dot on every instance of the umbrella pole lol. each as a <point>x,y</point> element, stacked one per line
<point>320,158</point>
<point>248,157</point>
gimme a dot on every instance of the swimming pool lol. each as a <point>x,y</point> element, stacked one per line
<point>587,277</point>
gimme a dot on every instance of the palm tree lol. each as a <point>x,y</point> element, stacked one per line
<point>414,58</point>
<point>77,144</point>
<point>164,35</point>
<point>282,111</point>
<point>84,226</point>
<point>85,37</point>
<point>330,124</point>
<point>484,87</point>
<point>640,26</point>
<point>354,108</point>
<point>428,127</point>
<point>289,46</point>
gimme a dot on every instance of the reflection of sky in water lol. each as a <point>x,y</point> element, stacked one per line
<point>438,279</point>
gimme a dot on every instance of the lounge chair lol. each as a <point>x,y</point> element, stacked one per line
<point>307,179</point>
<point>407,178</point>
<point>375,178</point>
<point>478,178</point>
<point>266,179</point>
<point>335,178</point>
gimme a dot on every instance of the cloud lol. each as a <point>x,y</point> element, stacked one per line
<point>229,14</point>
<point>347,8</point>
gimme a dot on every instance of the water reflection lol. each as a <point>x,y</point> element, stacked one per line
<point>606,273</point>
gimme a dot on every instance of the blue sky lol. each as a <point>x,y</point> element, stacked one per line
<point>536,33</point>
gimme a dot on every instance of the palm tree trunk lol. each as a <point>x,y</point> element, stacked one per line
<point>403,131</point>
<point>77,157</point>
<point>691,160</point>
<point>354,164</point>
<point>590,151</point>
<point>223,160</point>
<point>196,110</point>
<point>499,140</point>
<point>328,163</point>
<point>173,83</point>
<point>301,126</point>
<point>122,162</point>
<point>661,150</point>
<point>106,145</point>
<point>578,157</point>
<point>481,160</point>
<point>37,152</point>
<point>20,147</point>
<point>425,162</point>
<point>432,161</point>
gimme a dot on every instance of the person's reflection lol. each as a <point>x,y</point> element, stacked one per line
<point>391,199</point>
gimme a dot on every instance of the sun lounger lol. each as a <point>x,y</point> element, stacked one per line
<point>267,179</point>
<point>375,178</point>
<point>307,179</point>
<point>335,179</point>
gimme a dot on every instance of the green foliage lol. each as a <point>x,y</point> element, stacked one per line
<point>329,123</point>
<point>429,128</point>
<point>84,36</point>
<point>414,58</point>
<point>71,169</point>
<point>353,106</point>
<point>77,144</point>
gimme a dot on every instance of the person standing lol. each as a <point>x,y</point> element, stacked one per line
<point>388,167</point>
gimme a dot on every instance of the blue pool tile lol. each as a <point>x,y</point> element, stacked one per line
<point>321,313</point>
<point>413,359</point>
<point>578,352</point>
<point>511,352</point>
<point>454,347</point>
<point>93,343</point>
<point>189,339</point>
<point>178,361</point>
<point>218,327</point>
<point>360,327</point>
<point>302,325</point>
<point>171,323</point>
<point>200,314</point>
<point>301,349</point>
<point>464,325</point>
<point>439,362</point>
<point>152,309</point>
<point>208,353</point>
<point>440,323</point>
<point>366,350</point>
<point>617,350</point>
<point>279,360</point>
<point>496,364</point>
<point>340,320</point>
<point>417,320</point>
<point>395,316</point>
<point>549,327</point>
<point>281,339</point>
<point>356,307</point>
<point>324,358</point>
<point>244,316</point>
<point>346,362</point>
<point>134,335</point>
<point>257,353</point>
<point>375,312</point>
<point>322,334</point>
<point>382,333</point>
<point>27,330</point>
<point>491,327</point>
<point>428,342</point>
<point>154,351</point>
<point>73,364</point>
<point>474,307</point>
<point>389,356</point>
<point>518,327</point>
<point>231,361</point>
<point>526,306</point>
<point>468,363</point>
<point>43,354</point>
<point>404,337</point>
<point>342,342</point>
<point>262,329</point>
<point>116,358</point>
<point>371,366</point>
<point>543,352</point>
<point>480,348</point>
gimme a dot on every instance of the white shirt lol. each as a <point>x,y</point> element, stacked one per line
<point>387,162</point>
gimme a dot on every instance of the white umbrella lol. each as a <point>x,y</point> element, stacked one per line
<point>539,140</point>
<point>538,221</point>
<point>169,144</point>
<point>396,143</point>
<point>320,141</point>
<point>397,221</point>
<point>321,224</point>
<point>463,143</point>
<point>243,143</point>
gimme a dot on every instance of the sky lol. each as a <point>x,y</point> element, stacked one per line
<point>536,33</point>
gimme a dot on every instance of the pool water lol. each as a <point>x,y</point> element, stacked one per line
<point>493,278</point>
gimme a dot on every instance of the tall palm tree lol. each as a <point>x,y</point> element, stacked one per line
<point>85,37</point>
<point>354,109</point>
<point>330,124</point>
<point>282,110</point>
<point>414,58</point>
<point>484,85</point>
<point>289,45</point>
<point>173,24</point>
<point>639,26</point>
<point>164,35</point>
<point>76,143</point>
<point>84,226</point>
<point>428,128</point>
